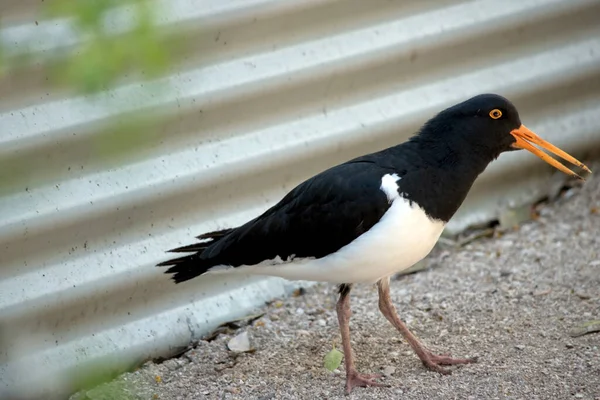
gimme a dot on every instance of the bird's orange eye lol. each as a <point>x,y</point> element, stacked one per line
<point>495,113</point>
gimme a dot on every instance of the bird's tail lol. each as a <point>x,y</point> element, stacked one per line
<point>190,266</point>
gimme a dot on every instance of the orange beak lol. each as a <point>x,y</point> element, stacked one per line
<point>525,138</point>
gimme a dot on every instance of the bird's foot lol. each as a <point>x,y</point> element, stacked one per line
<point>434,362</point>
<point>355,379</point>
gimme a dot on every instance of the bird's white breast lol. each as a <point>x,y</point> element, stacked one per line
<point>402,237</point>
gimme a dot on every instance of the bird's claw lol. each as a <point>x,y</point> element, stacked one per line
<point>434,362</point>
<point>355,379</point>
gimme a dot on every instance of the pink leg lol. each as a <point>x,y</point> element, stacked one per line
<point>430,360</point>
<point>353,378</point>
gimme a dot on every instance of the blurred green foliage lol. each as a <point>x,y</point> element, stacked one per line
<point>104,53</point>
<point>118,41</point>
<point>105,57</point>
<point>2,62</point>
<point>100,380</point>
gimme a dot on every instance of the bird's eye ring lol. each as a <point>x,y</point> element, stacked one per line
<point>495,113</point>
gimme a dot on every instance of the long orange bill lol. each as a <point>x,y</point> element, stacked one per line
<point>524,139</point>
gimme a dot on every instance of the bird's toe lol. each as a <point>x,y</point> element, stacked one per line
<point>434,362</point>
<point>355,379</point>
<point>436,367</point>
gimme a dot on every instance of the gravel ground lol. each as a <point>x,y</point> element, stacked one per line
<point>513,300</point>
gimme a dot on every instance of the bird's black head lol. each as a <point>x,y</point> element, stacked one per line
<point>481,128</point>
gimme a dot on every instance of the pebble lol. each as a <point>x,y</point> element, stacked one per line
<point>321,322</point>
<point>239,343</point>
<point>389,370</point>
<point>232,390</point>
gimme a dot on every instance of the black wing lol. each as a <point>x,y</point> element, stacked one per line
<point>315,219</point>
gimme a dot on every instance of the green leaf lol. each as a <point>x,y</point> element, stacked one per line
<point>588,327</point>
<point>333,359</point>
<point>103,59</point>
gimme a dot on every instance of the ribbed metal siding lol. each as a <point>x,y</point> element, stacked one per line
<point>270,93</point>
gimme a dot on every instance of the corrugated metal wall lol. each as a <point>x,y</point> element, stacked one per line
<point>268,92</point>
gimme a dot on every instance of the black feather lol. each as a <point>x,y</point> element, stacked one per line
<point>215,234</point>
<point>196,247</point>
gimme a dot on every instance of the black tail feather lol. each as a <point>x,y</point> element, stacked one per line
<point>177,261</point>
<point>196,247</point>
<point>207,240</point>
<point>215,234</point>
<point>190,266</point>
<point>186,268</point>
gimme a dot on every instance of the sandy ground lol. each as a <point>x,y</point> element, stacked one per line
<point>513,300</point>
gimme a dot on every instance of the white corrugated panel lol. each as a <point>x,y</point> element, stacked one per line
<point>268,93</point>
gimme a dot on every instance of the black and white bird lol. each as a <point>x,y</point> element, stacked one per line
<point>371,217</point>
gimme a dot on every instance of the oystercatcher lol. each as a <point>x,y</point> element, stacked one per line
<point>367,219</point>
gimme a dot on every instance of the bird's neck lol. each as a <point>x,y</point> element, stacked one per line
<point>440,176</point>
<point>452,156</point>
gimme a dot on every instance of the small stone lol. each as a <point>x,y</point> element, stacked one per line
<point>321,322</point>
<point>299,311</point>
<point>519,347</point>
<point>569,345</point>
<point>232,390</point>
<point>239,343</point>
<point>389,370</point>
<point>569,193</point>
<point>579,395</point>
<point>583,296</point>
<point>302,332</point>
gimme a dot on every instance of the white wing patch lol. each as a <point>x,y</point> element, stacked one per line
<point>390,187</point>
